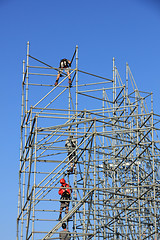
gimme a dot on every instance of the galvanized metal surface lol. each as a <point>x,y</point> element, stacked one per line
<point>117,155</point>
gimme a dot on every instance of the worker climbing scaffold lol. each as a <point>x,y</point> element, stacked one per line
<point>71,144</point>
<point>65,192</point>
<point>65,234</point>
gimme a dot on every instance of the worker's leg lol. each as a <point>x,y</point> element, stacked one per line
<point>69,81</point>
<point>67,210</point>
<point>69,77</point>
<point>58,76</point>
<point>56,82</point>
<point>71,164</point>
<point>60,213</point>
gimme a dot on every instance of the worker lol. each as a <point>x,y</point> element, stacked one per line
<point>64,64</point>
<point>70,145</point>
<point>65,192</point>
<point>65,234</point>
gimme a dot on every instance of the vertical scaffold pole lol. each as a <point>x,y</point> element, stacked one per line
<point>138,170</point>
<point>153,167</point>
<point>76,79</point>
<point>113,140</point>
<point>75,175</point>
<point>21,149</point>
<point>94,173</point>
<point>27,74</point>
<point>34,183</point>
<point>104,177</point>
<point>84,183</point>
<point>25,141</point>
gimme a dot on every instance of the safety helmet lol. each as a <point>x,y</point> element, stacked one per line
<point>62,181</point>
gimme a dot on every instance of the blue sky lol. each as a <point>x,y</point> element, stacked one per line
<point>126,30</point>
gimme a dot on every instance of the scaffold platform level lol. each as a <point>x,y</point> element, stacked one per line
<point>115,163</point>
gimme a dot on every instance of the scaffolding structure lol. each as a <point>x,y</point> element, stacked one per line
<point>115,181</point>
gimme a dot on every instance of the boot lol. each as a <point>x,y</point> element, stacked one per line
<point>60,217</point>
<point>69,218</point>
<point>70,83</point>
<point>56,83</point>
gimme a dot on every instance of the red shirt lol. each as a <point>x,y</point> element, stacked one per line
<point>63,188</point>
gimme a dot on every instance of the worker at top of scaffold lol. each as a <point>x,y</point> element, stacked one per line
<point>65,64</point>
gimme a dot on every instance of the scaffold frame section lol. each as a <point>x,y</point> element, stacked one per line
<point>115,162</point>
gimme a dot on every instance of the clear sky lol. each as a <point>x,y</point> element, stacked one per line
<point>128,30</point>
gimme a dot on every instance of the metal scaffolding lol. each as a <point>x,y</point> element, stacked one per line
<point>116,168</point>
